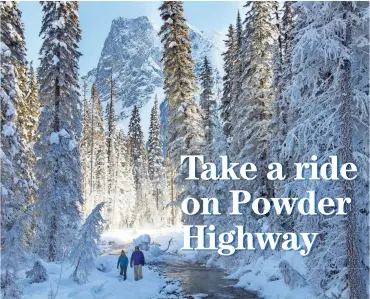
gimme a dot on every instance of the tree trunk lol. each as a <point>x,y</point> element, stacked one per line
<point>52,241</point>
<point>172,197</point>
<point>355,280</point>
<point>92,147</point>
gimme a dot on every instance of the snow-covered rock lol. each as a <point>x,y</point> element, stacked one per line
<point>142,241</point>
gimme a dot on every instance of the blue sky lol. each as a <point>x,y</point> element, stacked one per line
<point>96,18</point>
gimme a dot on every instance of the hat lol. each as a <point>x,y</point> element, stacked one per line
<point>137,247</point>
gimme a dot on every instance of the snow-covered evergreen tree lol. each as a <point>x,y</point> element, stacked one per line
<point>137,144</point>
<point>93,151</point>
<point>326,86</point>
<point>252,110</point>
<point>110,117</point>
<point>123,191</point>
<point>239,31</point>
<point>282,74</point>
<point>16,180</point>
<point>235,74</point>
<point>208,101</point>
<point>185,133</point>
<point>16,184</point>
<point>145,203</point>
<point>13,257</point>
<point>84,144</point>
<point>58,166</point>
<point>98,149</point>
<point>86,249</point>
<point>229,64</point>
<point>33,107</point>
<point>156,164</point>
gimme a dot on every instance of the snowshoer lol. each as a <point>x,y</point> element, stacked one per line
<point>138,260</point>
<point>123,263</point>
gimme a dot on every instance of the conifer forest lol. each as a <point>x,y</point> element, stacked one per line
<point>93,163</point>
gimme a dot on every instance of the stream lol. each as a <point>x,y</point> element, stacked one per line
<point>196,279</point>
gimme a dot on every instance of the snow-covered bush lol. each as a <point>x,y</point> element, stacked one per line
<point>38,273</point>
<point>86,249</point>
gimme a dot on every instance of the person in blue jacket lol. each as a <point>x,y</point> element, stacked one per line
<point>138,260</point>
<point>123,263</point>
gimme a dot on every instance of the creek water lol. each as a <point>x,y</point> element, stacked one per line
<point>197,279</point>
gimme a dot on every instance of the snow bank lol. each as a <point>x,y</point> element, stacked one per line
<point>265,277</point>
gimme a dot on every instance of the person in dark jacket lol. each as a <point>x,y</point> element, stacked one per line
<point>123,263</point>
<point>138,260</point>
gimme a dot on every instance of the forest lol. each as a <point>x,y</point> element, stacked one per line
<point>295,90</point>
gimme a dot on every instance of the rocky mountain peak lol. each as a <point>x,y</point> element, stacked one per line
<point>132,52</point>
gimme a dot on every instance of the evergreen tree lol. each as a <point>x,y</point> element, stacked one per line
<point>14,256</point>
<point>93,151</point>
<point>110,117</point>
<point>85,141</point>
<point>327,81</point>
<point>236,72</point>
<point>58,167</point>
<point>185,134</point>
<point>155,162</point>
<point>239,31</point>
<point>282,73</point>
<point>16,179</point>
<point>229,64</point>
<point>144,199</point>
<point>208,101</point>
<point>252,109</point>
<point>33,107</point>
<point>169,169</point>
<point>137,143</point>
<point>86,248</point>
<point>124,185</point>
<point>99,150</point>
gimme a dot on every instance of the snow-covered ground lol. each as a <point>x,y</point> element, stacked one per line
<point>101,284</point>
